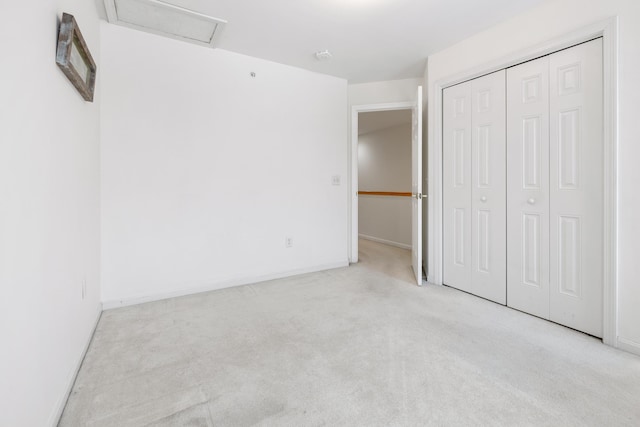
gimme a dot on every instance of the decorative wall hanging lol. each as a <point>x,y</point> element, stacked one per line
<point>74,59</point>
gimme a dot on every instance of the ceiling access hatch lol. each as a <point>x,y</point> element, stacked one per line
<point>164,19</point>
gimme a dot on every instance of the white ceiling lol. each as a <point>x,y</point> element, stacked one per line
<point>377,120</point>
<point>370,40</point>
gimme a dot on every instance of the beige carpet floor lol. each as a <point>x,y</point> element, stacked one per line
<point>357,346</point>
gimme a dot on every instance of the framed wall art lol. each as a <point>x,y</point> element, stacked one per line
<point>74,59</point>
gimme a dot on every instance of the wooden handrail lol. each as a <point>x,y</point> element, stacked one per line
<point>385,193</point>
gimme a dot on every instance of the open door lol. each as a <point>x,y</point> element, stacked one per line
<point>416,189</point>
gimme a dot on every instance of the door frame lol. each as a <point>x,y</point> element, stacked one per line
<point>353,170</point>
<point>608,30</point>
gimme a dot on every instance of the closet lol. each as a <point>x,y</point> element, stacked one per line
<point>523,187</point>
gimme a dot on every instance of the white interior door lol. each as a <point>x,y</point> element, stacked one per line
<point>577,187</point>
<point>528,187</point>
<point>488,193</point>
<point>457,187</point>
<point>416,189</point>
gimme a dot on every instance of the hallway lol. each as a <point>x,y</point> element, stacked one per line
<point>389,260</point>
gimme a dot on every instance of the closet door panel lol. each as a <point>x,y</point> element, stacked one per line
<point>457,186</point>
<point>488,196</point>
<point>528,187</point>
<point>576,183</point>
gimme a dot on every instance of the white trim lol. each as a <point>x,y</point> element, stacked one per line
<point>434,187</point>
<point>141,299</point>
<point>610,110</point>
<point>54,420</point>
<point>608,29</point>
<point>353,166</point>
<point>628,345</point>
<point>386,242</point>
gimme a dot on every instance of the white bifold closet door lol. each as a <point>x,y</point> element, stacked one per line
<point>528,187</point>
<point>474,186</point>
<point>555,187</point>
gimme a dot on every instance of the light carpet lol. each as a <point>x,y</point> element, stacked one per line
<point>357,346</point>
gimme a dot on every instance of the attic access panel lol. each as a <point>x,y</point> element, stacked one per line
<point>164,19</point>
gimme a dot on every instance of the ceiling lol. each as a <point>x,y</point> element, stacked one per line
<point>370,40</point>
<point>377,120</point>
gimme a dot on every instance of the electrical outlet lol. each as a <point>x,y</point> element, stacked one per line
<point>288,242</point>
<point>335,180</point>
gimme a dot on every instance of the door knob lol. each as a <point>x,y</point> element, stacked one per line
<point>531,201</point>
<point>483,199</point>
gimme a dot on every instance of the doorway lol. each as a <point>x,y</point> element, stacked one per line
<point>384,191</point>
<point>415,107</point>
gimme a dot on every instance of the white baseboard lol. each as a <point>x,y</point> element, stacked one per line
<point>629,345</point>
<point>386,242</point>
<point>71,379</point>
<point>106,305</point>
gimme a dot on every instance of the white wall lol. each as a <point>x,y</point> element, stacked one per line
<point>553,19</point>
<point>384,92</point>
<point>49,212</point>
<point>206,170</point>
<point>384,164</point>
